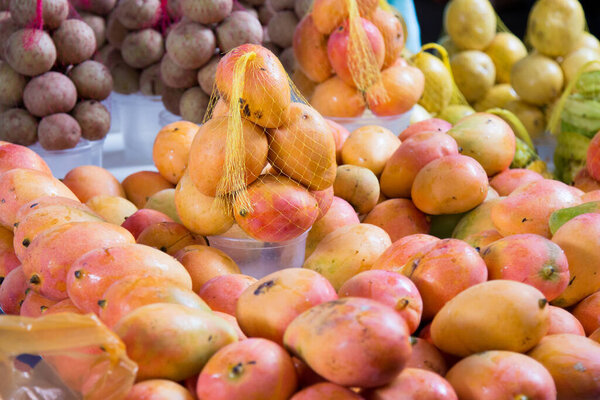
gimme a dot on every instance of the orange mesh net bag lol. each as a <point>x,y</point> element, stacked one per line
<point>263,160</point>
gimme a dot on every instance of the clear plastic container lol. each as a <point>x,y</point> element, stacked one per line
<point>395,123</point>
<point>139,123</point>
<point>165,118</point>
<point>259,259</point>
<point>115,115</point>
<point>62,161</point>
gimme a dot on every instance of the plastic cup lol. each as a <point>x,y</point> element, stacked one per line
<point>139,124</point>
<point>395,123</point>
<point>62,161</point>
<point>258,259</point>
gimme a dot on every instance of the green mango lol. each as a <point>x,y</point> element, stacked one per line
<point>560,217</point>
<point>442,226</point>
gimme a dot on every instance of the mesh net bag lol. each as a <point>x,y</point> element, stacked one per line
<point>263,158</point>
<point>575,119</point>
<point>82,358</point>
<point>347,53</point>
<point>440,89</point>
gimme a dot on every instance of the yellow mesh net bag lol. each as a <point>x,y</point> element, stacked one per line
<point>263,160</point>
<point>82,358</point>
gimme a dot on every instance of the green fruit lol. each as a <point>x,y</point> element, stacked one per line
<point>586,125</point>
<point>588,85</point>
<point>524,155</point>
<point>572,146</point>
<point>564,215</point>
<point>442,226</point>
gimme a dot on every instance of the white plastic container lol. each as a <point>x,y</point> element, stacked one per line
<point>62,161</point>
<point>258,259</point>
<point>395,123</point>
<point>139,124</point>
<point>165,118</point>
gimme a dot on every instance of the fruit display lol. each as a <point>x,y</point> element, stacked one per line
<point>51,89</point>
<point>349,58</point>
<point>438,261</point>
<point>494,69</point>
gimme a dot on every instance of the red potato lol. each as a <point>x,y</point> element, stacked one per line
<point>252,369</point>
<point>413,384</point>
<point>169,237</point>
<point>562,321</point>
<point>15,156</point>
<point>341,213</point>
<point>399,218</point>
<point>20,186</point>
<point>428,125</point>
<point>51,254</point>
<point>172,341</point>
<point>501,374</point>
<point>450,185</point>
<point>172,148</point>
<point>403,87</point>
<point>267,307</point>
<point>12,291</point>
<point>507,181</point>
<point>574,363</point>
<point>204,263</point>
<point>310,50</point>
<point>443,269</point>
<point>136,15</point>
<point>351,341</point>
<point>87,181</point>
<point>338,50</point>
<point>282,209</point>
<point>158,389</point>
<point>389,288</point>
<point>326,390</point>
<point>530,259</point>
<point>94,272</point>
<point>413,154</point>
<point>426,356</point>
<point>42,219</point>
<point>206,12</point>
<point>34,305</point>
<point>141,219</point>
<point>131,292</point>
<point>139,186</point>
<point>340,135</point>
<point>75,42</point>
<point>222,292</point>
<point>398,254</point>
<point>593,158</point>
<point>528,208</point>
<point>34,60</point>
<point>587,312</point>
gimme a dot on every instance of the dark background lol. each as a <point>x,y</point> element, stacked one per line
<point>513,12</point>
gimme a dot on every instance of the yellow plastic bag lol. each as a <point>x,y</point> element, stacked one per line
<point>89,359</point>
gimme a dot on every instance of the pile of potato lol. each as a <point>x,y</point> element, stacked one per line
<point>50,89</point>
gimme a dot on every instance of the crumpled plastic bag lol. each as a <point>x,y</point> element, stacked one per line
<point>81,359</point>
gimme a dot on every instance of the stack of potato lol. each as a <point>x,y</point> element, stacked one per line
<point>50,89</point>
